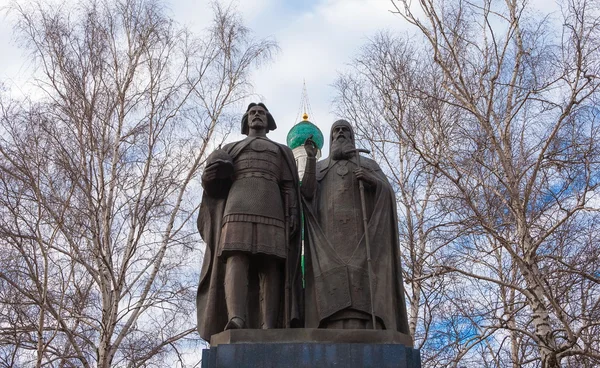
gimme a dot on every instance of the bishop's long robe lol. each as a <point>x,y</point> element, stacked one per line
<point>337,277</point>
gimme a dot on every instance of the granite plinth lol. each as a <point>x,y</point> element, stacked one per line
<point>308,348</point>
<point>312,335</point>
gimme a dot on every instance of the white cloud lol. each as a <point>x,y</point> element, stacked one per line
<point>316,45</point>
<point>317,38</point>
<point>14,65</point>
<point>197,15</point>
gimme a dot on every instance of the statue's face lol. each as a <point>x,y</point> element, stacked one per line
<point>342,132</point>
<point>342,145</point>
<point>257,118</point>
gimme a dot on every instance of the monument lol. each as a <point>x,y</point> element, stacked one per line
<point>249,219</point>
<point>353,273</point>
<point>354,302</point>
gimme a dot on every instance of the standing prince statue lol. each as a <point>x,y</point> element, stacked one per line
<point>249,219</point>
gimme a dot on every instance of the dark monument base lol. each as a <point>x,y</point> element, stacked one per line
<point>308,348</point>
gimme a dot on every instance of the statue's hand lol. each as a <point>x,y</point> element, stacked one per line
<point>210,173</point>
<point>366,176</point>
<point>310,147</point>
<point>219,165</point>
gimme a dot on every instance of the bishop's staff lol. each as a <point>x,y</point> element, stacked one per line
<point>361,187</point>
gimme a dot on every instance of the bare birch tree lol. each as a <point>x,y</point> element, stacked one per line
<point>388,74</point>
<point>509,126</point>
<point>99,180</point>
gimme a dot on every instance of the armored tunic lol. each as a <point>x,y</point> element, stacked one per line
<point>254,218</point>
<point>218,195</point>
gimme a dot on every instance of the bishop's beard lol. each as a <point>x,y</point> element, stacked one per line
<point>340,148</point>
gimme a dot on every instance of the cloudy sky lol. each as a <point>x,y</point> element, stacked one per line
<point>317,38</point>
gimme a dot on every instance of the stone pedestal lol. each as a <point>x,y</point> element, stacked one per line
<point>308,348</point>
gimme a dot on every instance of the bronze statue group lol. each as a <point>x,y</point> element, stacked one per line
<point>250,219</point>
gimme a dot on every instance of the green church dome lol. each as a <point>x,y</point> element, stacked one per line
<point>299,132</point>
